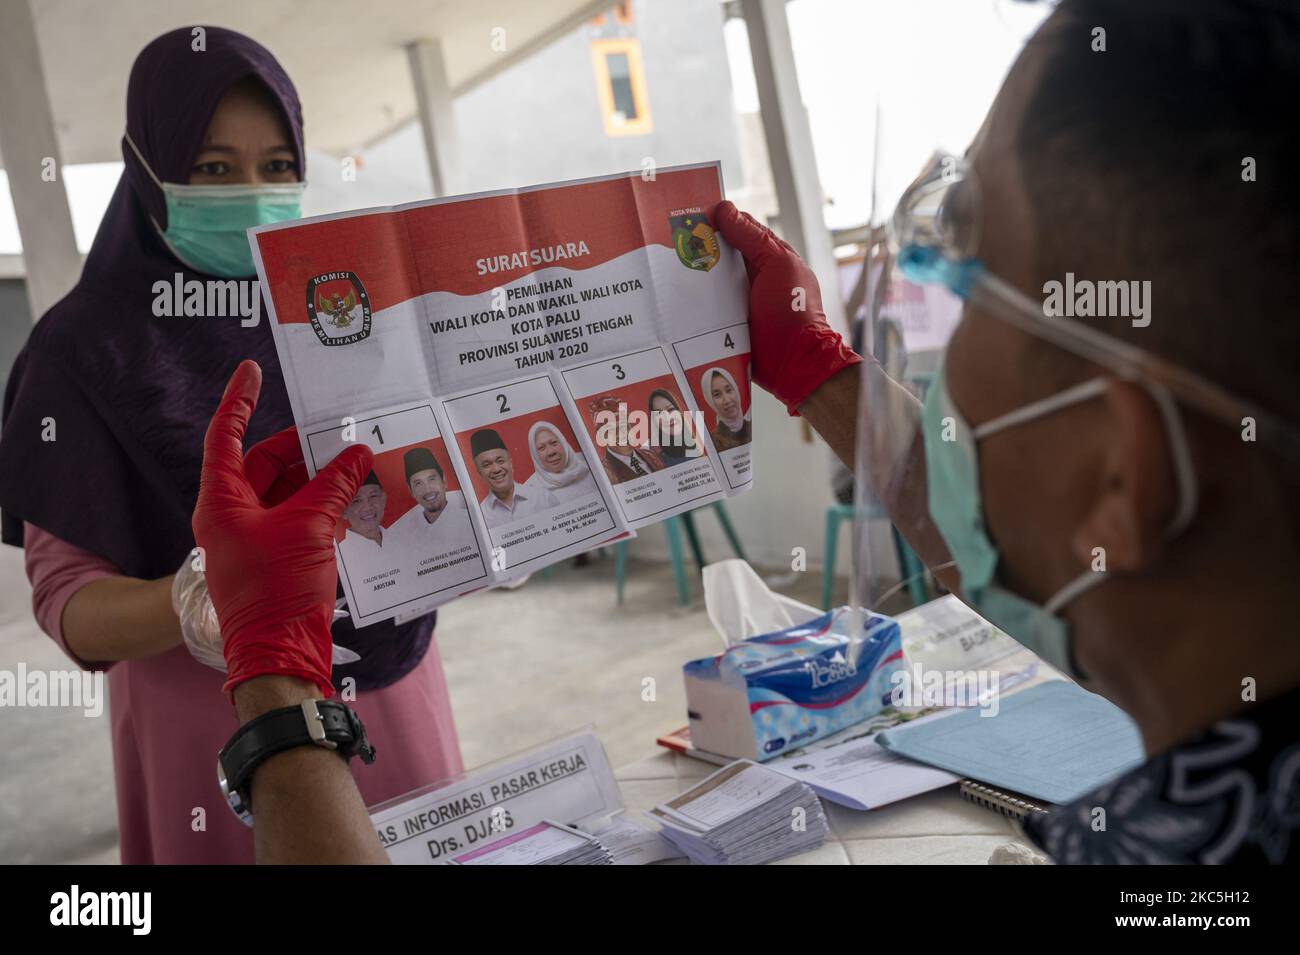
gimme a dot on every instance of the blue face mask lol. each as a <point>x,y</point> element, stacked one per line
<point>953,490</point>
<point>207,225</point>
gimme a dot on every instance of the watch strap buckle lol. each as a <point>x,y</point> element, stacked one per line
<point>316,725</point>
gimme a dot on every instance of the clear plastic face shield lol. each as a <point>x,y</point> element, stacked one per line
<point>920,516</point>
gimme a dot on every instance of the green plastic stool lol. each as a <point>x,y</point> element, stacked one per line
<point>673,528</point>
<point>688,522</point>
<point>909,564</point>
<point>674,533</point>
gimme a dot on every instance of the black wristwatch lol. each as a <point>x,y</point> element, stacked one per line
<point>324,723</point>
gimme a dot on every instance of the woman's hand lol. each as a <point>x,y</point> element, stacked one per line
<point>270,566</point>
<point>792,348</point>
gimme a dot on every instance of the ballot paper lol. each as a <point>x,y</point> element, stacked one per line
<point>538,371</point>
<point>744,814</point>
<point>852,769</point>
<point>547,843</point>
<point>568,780</point>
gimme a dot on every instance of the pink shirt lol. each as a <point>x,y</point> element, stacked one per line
<point>170,718</point>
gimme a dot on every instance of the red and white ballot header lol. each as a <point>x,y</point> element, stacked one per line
<point>470,245</point>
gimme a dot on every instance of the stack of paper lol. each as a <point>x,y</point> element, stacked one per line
<point>547,843</point>
<point>744,814</point>
<point>632,843</point>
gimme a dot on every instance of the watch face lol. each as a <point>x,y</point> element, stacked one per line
<point>233,799</point>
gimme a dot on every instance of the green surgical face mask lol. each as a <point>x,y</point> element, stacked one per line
<point>207,225</point>
<point>953,491</point>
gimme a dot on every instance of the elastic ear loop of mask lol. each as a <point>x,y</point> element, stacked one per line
<point>162,233</point>
<point>1175,435</point>
<point>1074,395</point>
<point>138,155</point>
<point>1176,438</point>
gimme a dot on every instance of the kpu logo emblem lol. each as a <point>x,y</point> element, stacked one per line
<point>339,308</point>
<point>694,239</point>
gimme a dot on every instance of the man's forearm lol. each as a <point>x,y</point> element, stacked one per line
<point>121,618</point>
<point>897,475</point>
<point>832,410</point>
<point>306,805</point>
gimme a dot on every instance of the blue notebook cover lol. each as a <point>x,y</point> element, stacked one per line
<point>1054,742</point>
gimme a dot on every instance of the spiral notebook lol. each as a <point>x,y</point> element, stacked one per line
<point>1009,804</point>
<point>1054,742</point>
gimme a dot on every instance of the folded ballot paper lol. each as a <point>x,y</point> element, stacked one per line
<point>779,691</point>
<point>744,814</point>
<point>538,371</point>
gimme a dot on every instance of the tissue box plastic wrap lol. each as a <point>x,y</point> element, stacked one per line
<point>780,691</point>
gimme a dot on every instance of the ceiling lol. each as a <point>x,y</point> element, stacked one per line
<point>347,57</point>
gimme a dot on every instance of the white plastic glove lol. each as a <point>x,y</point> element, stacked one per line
<point>1013,853</point>
<point>199,627</point>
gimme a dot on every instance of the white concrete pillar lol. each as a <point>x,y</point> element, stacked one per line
<point>434,102</point>
<point>790,147</point>
<point>30,152</point>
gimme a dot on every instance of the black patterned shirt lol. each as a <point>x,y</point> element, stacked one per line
<point>1228,795</point>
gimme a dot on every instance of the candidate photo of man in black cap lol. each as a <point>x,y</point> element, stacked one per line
<point>439,522</point>
<point>366,548</point>
<point>506,500</point>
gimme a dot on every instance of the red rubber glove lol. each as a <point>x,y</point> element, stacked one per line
<point>792,352</point>
<point>275,468</point>
<point>270,571</point>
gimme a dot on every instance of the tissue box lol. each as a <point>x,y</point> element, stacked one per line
<point>782,690</point>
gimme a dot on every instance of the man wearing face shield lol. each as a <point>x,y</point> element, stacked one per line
<point>1116,491</point>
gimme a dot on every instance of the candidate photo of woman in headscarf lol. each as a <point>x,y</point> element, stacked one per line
<point>556,466</point>
<point>213,145</point>
<point>674,428</point>
<point>733,428</point>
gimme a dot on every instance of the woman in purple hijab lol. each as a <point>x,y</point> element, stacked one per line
<point>102,443</point>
